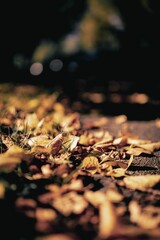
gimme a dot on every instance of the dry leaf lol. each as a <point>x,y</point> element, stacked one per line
<point>91,164</point>
<point>157,122</point>
<point>41,140</point>
<point>150,146</point>
<point>8,163</point>
<point>121,141</point>
<point>70,203</point>
<point>2,190</point>
<point>114,196</point>
<point>45,214</point>
<point>70,142</point>
<point>31,121</point>
<point>55,144</point>
<point>136,151</point>
<point>141,182</point>
<point>117,173</point>
<point>135,141</point>
<point>84,140</point>
<point>58,236</point>
<point>120,119</point>
<point>107,219</point>
<point>95,198</point>
<point>145,219</point>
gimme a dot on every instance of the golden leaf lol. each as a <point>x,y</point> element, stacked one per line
<point>70,142</point>
<point>121,141</point>
<point>141,182</point>
<point>120,119</point>
<point>58,236</point>
<point>157,122</point>
<point>137,141</point>
<point>2,190</point>
<point>41,140</point>
<point>45,214</point>
<point>114,196</point>
<point>31,121</point>
<point>90,162</point>
<point>150,146</point>
<point>117,173</point>
<point>142,217</point>
<point>84,140</point>
<point>70,203</point>
<point>136,151</point>
<point>95,198</point>
<point>107,219</point>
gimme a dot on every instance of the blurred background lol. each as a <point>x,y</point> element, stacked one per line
<point>99,51</point>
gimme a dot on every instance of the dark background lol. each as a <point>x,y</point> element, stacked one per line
<point>135,61</point>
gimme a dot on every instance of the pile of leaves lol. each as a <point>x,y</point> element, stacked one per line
<point>64,177</point>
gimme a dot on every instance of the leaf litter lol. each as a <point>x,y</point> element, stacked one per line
<point>49,162</point>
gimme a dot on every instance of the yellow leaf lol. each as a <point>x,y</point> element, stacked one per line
<point>136,151</point>
<point>107,219</point>
<point>8,163</point>
<point>150,146</point>
<point>84,140</point>
<point>90,162</point>
<point>2,190</point>
<point>70,142</point>
<point>141,182</point>
<point>118,172</point>
<point>95,198</point>
<point>31,121</point>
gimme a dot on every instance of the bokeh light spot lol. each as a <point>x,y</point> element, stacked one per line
<point>56,65</point>
<point>36,68</point>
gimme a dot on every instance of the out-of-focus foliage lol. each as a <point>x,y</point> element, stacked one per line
<point>100,25</point>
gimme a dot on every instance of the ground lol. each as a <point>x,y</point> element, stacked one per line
<point>70,174</point>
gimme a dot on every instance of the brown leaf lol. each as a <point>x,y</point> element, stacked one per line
<point>136,151</point>
<point>137,141</point>
<point>91,164</point>
<point>107,219</point>
<point>8,163</point>
<point>121,141</point>
<point>73,202</point>
<point>2,190</point>
<point>114,196</point>
<point>84,140</point>
<point>70,142</point>
<point>58,236</point>
<point>31,121</point>
<point>45,214</point>
<point>117,173</point>
<point>120,119</point>
<point>141,182</point>
<point>157,122</point>
<point>150,146</point>
<point>41,140</point>
<point>145,219</point>
<point>95,198</point>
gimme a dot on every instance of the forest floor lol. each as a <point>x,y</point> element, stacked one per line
<point>67,173</point>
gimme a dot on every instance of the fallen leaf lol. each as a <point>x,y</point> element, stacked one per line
<point>108,220</point>
<point>57,236</point>
<point>95,198</point>
<point>70,142</point>
<point>141,182</point>
<point>2,190</point>
<point>145,219</point>
<point>73,202</point>
<point>45,214</point>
